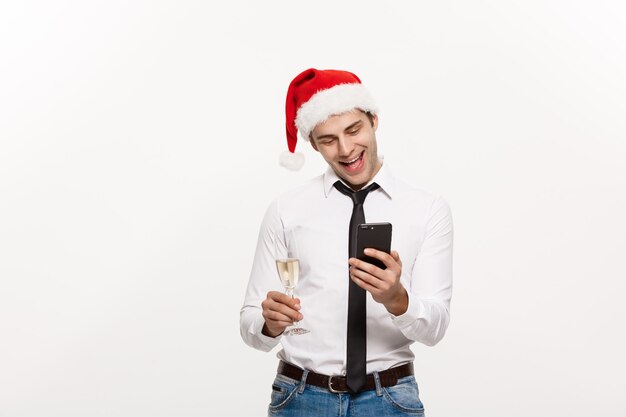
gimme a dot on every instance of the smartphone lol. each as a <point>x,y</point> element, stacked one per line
<point>376,236</point>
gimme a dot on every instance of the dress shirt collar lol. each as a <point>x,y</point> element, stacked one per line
<point>384,178</point>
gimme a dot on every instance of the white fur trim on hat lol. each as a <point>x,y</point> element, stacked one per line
<point>335,100</point>
<point>291,161</point>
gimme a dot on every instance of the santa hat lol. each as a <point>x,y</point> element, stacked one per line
<point>315,95</point>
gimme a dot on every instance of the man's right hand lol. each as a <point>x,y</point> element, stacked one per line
<point>279,312</point>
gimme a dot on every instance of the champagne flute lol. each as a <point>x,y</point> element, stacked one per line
<point>288,267</point>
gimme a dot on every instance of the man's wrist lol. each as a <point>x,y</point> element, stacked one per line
<point>266,332</point>
<point>399,305</point>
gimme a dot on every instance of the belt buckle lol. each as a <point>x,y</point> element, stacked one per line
<point>330,386</point>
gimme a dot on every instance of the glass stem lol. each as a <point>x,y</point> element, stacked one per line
<point>290,294</point>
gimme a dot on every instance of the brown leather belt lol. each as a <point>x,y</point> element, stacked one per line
<point>337,384</point>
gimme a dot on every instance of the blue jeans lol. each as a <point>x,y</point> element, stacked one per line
<point>293,398</point>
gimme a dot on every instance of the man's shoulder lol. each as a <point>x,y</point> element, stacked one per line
<point>419,199</point>
<point>303,194</point>
<point>313,185</point>
<point>405,189</point>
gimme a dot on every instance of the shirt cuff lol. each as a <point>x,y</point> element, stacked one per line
<point>267,341</point>
<point>409,316</point>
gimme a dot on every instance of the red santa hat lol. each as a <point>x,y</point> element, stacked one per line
<point>315,95</point>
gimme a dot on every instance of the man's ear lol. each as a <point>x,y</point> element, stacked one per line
<point>374,122</point>
<point>312,142</point>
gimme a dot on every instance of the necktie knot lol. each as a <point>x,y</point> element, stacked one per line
<point>358,197</point>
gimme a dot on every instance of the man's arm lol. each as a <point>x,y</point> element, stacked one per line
<point>422,311</point>
<point>428,313</point>
<point>266,311</point>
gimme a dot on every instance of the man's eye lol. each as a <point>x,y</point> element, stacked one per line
<point>353,132</point>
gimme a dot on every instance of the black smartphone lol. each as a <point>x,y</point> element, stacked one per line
<point>376,236</point>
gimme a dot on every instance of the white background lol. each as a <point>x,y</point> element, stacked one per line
<point>138,152</point>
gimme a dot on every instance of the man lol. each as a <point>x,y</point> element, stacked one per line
<point>356,358</point>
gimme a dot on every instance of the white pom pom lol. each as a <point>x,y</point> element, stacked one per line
<point>291,161</point>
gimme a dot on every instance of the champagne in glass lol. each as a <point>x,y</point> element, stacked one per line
<point>288,270</point>
<point>288,267</point>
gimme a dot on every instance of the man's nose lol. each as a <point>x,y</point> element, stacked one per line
<point>345,146</point>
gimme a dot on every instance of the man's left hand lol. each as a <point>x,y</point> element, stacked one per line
<point>383,284</point>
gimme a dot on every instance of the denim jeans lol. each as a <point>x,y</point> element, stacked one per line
<point>293,398</point>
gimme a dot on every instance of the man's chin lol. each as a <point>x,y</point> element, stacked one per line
<point>354,182</point>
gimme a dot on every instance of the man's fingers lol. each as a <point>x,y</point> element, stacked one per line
<point>365,266</point>
<point>283,298</point>
<point>396,257</point>
<point>384,257</point>
<point>277,311</point>
<point>391,260</point>
<point>279,307</point>
<point>364,280</point>
<point>368,281</point>
<point>277,317</point>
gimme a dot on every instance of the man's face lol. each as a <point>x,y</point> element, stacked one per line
<point>347,143</point>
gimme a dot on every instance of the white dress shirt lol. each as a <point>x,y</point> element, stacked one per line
<point>319,216</point>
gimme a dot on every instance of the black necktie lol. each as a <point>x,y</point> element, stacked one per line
<point>357,331</point>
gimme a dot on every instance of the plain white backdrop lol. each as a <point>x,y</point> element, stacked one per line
<point>138,151</point>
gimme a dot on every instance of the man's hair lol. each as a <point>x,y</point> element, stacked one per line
<point>369,115</point>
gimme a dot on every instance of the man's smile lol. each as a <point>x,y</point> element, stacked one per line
<point>354,164</point>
